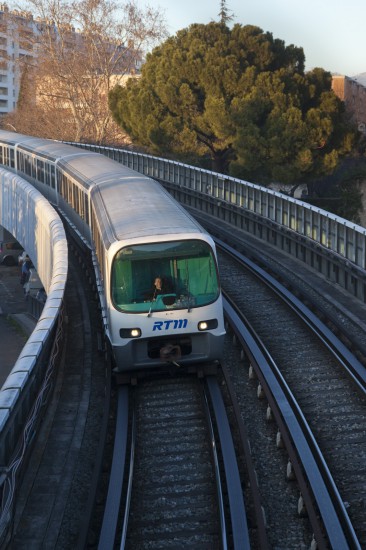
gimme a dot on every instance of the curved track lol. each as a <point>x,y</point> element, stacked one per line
<point>333,404</point>
<point>280,496</point>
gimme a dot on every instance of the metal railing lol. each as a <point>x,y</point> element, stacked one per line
<point>26,214</point>
<point>331,245</point>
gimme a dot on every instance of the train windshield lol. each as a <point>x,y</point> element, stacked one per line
<point>161,276</point>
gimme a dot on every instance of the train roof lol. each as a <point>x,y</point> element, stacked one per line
<point>129,205</point>
<point>45,147</point>
<point>137,207</point>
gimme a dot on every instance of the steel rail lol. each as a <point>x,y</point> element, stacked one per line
<point>252,476</point>
<point>111,512</point>
<point>240,532</point>
<point>129,483</point>
<point>219,491</point>
<point>351,364</point>
<point>301,446</point>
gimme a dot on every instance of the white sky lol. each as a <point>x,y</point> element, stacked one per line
<point>332,33</point>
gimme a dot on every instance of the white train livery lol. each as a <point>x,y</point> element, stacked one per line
<point>136,232</point>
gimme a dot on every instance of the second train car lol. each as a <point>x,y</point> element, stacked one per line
<point>136,233</point>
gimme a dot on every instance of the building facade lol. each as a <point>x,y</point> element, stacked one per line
<point>354,96</point>
<point>18,49</point>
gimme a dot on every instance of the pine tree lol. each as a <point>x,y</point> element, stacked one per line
<point>237,98</point>
<point>225,18</point>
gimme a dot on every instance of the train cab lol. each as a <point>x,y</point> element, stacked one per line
<point>186,269</point>
<point>166,295</point>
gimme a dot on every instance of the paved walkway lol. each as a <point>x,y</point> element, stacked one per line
<point>12,340</point>
<point>15,323</point>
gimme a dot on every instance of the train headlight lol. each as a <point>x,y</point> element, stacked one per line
<point>130,332</point>
<point>208,325</point>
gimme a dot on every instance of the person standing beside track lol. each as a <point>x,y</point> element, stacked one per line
<point>25,274</point>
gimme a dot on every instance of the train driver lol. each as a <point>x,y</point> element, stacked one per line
<point>160,286</point>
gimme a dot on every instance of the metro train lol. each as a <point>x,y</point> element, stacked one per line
<point>135,232</point>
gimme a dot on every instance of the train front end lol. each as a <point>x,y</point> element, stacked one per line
<point>182,321</point>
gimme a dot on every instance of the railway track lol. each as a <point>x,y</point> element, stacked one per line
<point>174,492</point>
<point>329,394</point>
<point>182,486</point>
<point>287,525</point>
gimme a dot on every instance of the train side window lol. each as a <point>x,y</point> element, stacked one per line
<point>59,181</point>
<point>100,257</point>
<point>76,199</point>
<point>69,187</point>
<point>97,243</point>
<point>64,187</point>
<point>72,194</point>
<point>33,168</point>
<point>6,156</point>
<point>53,176</point>
<point>85,207</point>
<point>92,224</point>
<point>12,158</point>
<point>61,184</point>
<point>82,199</point>
<point>81,204</point>
<point>86,204</point>
<point>40,170</point>
<point>20,161</point>
<point>47,174</point>
<point>27,166</point>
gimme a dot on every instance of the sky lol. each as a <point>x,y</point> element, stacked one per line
<point>332,33</point>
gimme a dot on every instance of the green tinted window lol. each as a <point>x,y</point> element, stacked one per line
<point>187,270</point>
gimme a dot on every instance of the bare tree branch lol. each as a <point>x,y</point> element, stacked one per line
<point>83,49</point>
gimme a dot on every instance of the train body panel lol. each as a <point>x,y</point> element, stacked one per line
<point>144,209</point>
<point>137,234</point>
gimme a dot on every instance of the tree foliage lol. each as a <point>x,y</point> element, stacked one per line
<point>341,193</point>
<point>241,98</point>
<point>224,15</point>
<point>82,48</point>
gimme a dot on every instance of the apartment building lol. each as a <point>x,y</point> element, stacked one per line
<point>353,94</point>
<point>16,31</point>
<point>18,47</point>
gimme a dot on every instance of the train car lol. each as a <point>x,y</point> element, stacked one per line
<point>137,234</point>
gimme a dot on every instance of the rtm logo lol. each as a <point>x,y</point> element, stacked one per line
<point>174,324</point>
